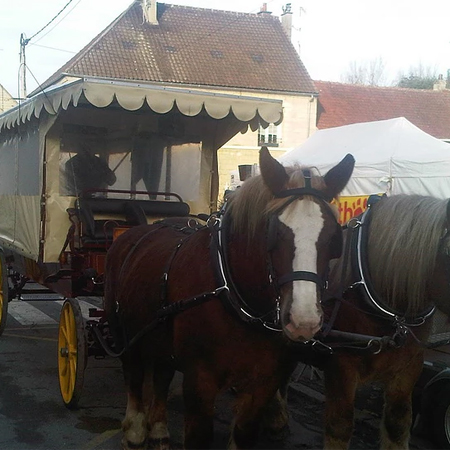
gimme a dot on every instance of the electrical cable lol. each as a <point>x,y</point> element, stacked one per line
<point>45,26</point>
<point>57,23</point>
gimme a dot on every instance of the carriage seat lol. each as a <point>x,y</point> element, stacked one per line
<point>99,216</point>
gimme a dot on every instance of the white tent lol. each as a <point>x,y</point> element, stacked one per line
<point>392,156</point>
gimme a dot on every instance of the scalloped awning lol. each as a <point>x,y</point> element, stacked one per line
<point>131,96</point>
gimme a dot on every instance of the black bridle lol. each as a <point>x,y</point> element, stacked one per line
<point>229,291</point>
<point>295,194</point>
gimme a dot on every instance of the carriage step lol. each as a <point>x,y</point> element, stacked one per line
<point>38,292</point>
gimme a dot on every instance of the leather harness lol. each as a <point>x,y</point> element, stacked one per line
<point>355,254</point>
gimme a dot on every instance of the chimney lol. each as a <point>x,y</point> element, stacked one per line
<point>286,19</point>
<point>149,11</point>
<point>440,84</point>
<point>263,10</point>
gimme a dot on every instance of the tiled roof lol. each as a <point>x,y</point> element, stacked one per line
<point>194,46</point>
<point>344,104</point>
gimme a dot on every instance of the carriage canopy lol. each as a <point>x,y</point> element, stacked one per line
<point>152,138</point>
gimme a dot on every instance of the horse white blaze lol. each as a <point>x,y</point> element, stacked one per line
<point>305,220</point>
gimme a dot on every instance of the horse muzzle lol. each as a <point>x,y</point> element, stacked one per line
<point>301,333</point>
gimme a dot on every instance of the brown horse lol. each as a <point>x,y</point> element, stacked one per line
<point>394,269</point>
<point>221,302</point>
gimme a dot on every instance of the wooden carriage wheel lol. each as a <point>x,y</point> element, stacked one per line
<point>72,353</point>
<point>4,297</point>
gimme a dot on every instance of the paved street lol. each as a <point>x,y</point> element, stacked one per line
<point>32,416</point>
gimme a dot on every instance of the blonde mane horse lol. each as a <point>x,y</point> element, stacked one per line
<point>408,269</point>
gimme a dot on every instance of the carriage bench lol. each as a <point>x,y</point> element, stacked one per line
<point>98,217</point>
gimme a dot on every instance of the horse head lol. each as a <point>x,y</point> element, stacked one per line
<point>303,235</point>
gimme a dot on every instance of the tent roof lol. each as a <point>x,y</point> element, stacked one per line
<point>391,156</point>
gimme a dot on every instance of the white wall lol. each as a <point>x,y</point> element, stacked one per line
<point>299,122</point>
<point>6,101</point>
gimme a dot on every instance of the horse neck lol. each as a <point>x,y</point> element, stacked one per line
<point>247,260</point>
<point>340,275</point>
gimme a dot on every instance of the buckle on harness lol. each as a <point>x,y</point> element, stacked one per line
<point>354,223</point>
<point>320,347</point>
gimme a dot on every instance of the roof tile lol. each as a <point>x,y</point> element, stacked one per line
<point>184,48</point>
<point>344,104</point>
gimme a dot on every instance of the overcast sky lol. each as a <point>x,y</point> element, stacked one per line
<point>328,33</point>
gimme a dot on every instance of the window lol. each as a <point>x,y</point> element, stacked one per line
<point>270,136</point>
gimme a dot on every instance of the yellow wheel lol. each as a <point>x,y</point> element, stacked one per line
<point>72,353</point>
<point>4,297</point>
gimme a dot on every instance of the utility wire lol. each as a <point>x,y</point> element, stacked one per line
<point>54,48</point>
<point>45,26</point>
<point>57,23</point>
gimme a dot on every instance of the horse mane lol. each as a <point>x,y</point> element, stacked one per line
<point>250,204</point>
<point>404,238</point>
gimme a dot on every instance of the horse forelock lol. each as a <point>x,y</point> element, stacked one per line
<point>251,204</point>
<point>404,239</point>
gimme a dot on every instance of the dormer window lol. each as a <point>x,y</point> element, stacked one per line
<point>257,58</point>
<point>217,54</point>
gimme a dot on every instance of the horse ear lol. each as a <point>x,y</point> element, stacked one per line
<point>272,172</point>
<point>337,177</point>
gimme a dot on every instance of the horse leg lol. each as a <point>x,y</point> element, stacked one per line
<point>397,413</point>
<point>276,416</point>
<point>249,411</point>
<point>134,425</point>
<point>199,393</point>
<point>157,418</point>
<point>341,382</point>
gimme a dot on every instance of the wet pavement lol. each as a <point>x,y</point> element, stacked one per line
<point>33,417</point>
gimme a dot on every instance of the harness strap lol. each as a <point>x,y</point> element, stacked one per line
<point>355,253</point>
<point>304,275</point>
<point>361,273</point>
<point>328,326</point>
<point>161,315</point>
<point>297,192</point>
<point>229,294</point>
<point>165,277</point>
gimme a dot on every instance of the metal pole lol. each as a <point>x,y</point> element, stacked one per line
<point>23,67</point>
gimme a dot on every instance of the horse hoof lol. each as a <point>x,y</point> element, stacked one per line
<point>159,444</point>
<point>127,445</point>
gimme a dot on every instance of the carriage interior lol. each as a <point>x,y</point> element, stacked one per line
<point>129,170</point>
<point>119,186</point>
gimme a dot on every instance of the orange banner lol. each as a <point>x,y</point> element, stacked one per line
<point>351,206</point>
